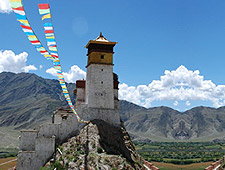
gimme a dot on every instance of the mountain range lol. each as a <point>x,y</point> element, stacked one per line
<point>27,100</point>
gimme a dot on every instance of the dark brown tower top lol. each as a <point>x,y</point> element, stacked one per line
<point>100,44</point>
<point>80,84</point>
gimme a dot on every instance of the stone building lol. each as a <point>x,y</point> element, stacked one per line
<point>97,98</point>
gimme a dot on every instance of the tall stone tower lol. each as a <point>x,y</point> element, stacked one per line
<point>99,83</point>
<point>97,97</point>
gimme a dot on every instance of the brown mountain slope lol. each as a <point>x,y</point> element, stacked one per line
<point>163,123</point>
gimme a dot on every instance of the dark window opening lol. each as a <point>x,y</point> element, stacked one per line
<point>102,69</point>
<point>101,82</point>
<point>101,94</point>
<point>102,56</point>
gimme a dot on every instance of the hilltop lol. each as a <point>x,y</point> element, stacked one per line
<point>99,145</point>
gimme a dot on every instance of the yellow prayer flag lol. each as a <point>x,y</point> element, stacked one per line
<point>15,0</point>
<point>25,22</point>
<point>32,36</point>
<point>52,37</point>
<point>46,55</point>
<point>46,16</point>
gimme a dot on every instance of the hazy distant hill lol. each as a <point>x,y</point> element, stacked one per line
<point>166,124</point>
<point>27,100</point>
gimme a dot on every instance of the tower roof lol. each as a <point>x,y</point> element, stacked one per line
<point>100,40</point>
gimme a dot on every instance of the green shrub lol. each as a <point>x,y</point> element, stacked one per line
<point>46,168</point>
<point>100,150</point>
<point>57,165</point>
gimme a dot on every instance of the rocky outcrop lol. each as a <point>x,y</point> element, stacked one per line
<point>99,145</point>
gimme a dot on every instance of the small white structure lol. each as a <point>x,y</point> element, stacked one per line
<point>38,146</point>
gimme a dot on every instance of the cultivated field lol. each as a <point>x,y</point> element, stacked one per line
<point>184,153</point>
<point>7,163</point>
<point>169,166</point>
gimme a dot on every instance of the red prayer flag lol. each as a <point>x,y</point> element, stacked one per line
<point>26,27</point>
<point>43,6</point>
<point>49,31</point>
<point>35,41</point>
<point>43,51</point>
<point>54,56</point>
<point>19,8</point>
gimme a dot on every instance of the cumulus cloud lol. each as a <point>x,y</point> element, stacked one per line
<point>176,85</point>
<point>40,67</point>
<point>180,84</point>
<point>175,103</point>
<point>188,103</point>
<point>11,62</point>
<point>75,73</point>
<point>28,68</point>
<point>52,71</point>
<point>5,6</point>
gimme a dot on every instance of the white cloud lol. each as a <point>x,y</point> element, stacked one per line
<point>5,6</point>
<point>28,68</point>
<point>188,103</point>
<point>52,71</point>
<point>180,84</point>
<point>40,67</point>
<point>175,103</point>
<point>75,73</point>
<point>11,62</point>
<point>176,85</point>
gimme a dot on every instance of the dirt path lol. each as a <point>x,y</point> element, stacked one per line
<point>7,163</point>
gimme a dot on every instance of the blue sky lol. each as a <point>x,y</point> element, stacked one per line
<point>153,36</point>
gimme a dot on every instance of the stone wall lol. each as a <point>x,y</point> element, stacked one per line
<point>80,95</point>
<point>33,160</point>
<point>27,160</point>
<point>44,148</point>
<point>28,145</point>
<point>99,86</point>
<point>111,116</point>
<point>37,146</point>
<point>67,127</point>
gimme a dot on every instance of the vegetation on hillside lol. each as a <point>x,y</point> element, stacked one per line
<point>8,152</point>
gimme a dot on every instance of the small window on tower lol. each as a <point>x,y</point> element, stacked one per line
<point>101,82</point>
<point>102,69</point>
<point>102,56</point>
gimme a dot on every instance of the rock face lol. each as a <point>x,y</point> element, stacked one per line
<point>99,145</point>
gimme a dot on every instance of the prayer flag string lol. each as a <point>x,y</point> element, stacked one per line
<point>44,10</point>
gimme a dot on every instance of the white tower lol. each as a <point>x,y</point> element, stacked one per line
<point>97,97</point>
<point>99,82</point>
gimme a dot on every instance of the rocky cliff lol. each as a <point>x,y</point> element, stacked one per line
<point>99,145</point>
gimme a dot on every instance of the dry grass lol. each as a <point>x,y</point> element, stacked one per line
<point>7,165</point>
<point>169,166</point>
